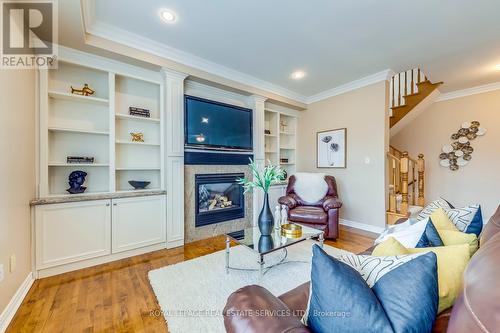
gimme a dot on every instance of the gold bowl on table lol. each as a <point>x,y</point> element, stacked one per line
<point>291,230</point>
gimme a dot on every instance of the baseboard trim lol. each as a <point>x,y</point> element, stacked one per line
<point>14,304</point>
<point>362,226</point>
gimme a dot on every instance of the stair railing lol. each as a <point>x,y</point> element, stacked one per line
<point>405,83</point>
<point>407,180</point>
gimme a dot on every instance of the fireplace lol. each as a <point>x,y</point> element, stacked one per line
<point>218,198</point>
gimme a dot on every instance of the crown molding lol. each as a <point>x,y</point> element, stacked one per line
<point>469,91</point>
<point>353,85</point>
<point>110,32</point>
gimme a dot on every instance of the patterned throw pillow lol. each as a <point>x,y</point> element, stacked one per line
<point>372,294</point>
<point>430,208</point>
<point>468,219</point>
<point>412,233</point>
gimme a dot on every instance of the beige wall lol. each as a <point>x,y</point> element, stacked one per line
<point>361,186</point>
<point>477,182</point>
<point>17,170</point>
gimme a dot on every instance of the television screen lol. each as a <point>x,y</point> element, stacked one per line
<point>210,124</point>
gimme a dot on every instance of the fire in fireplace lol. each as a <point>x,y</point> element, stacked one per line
<point>218,198</point>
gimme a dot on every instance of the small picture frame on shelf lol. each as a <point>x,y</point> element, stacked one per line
<point>266,131</point>
<point>139,112</point>
<point>331,148</point>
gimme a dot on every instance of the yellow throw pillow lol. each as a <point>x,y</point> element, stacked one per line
<point>441,221</point>
<point>450,237</point>
<point>451,261</point>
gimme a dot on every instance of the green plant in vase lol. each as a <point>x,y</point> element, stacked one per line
<point>263,178</point>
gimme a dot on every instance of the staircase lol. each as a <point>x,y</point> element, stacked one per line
<point>408,90</point>
<point>406,185</point>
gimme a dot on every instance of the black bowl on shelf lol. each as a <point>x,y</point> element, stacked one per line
<point>139,184</point>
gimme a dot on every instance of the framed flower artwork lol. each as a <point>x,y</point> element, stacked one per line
<point>331,148</point>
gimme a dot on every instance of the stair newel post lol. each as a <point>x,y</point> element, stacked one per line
<point>421,179</point>
<point>392,79</point>
<point>392,190</point>
<point>404,166</point>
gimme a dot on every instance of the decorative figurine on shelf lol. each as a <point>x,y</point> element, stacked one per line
<point>76,180</point>
<point>137,137</point>
<point>283,126</point>
<point>85,91</point>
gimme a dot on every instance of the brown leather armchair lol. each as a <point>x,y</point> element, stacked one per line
<point>323,215</point>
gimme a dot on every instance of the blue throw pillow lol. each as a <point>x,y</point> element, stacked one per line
<point>430,237</point>
<point>372,294</point>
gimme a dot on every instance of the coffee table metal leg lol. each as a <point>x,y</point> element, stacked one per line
<point>321,239</point>
<point>228,246</point>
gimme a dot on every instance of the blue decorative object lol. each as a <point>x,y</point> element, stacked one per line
<point>75,181</point>
<point>373,294</point>
<point>266,244</point>
<point>138,184</point>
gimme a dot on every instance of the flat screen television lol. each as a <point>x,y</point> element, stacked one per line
<point>214,125</point>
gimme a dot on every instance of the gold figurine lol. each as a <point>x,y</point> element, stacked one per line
<point>85,91</point>
<point>137,137</point>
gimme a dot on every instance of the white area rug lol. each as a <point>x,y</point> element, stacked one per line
<point>192,294</point>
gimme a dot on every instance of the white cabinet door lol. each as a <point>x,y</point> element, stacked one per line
<point>275,192</point>
<point>71,232</point>
<point>138,222</point>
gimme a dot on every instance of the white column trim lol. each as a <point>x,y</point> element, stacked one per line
<point>174,158</point>
<point>257,103</point>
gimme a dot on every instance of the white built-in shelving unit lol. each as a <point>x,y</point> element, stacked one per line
<point>99,126</point>
<point>281,142</point>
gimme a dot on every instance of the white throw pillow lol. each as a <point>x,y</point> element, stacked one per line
<point>310,187</point>
<point>407,233</point>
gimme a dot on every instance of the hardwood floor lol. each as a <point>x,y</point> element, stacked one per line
<point>117,297</point>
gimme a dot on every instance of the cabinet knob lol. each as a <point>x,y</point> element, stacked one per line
<point>115,204</point>
<point>107,205</point>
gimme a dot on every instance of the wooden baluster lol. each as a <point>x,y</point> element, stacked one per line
<point>399,89</point>
<point>406,83</point>
<point>392,191</point>
<point>418,76</point>
<point>392,80</point>
<point>413,186</point>
<point>412,82</point>
<point>421,180</point>
<point>404,166</point>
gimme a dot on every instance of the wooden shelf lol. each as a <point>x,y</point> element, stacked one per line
<point>75,130</point>
<point>122,142</point>
<point>77,98</point>
<point>270,152</point>
<point>287,148</point>
<point>271,135</point>
<point>139,169</point>
<point>287,163</point>
<point>129,117</point>
<point>287,133</point>
<point>78,164</point>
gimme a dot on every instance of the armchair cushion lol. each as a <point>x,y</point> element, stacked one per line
<point>253,309</point>
<point>308,214</point>
<point>331,203</point>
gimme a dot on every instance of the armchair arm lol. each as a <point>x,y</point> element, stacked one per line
<point>288,201</point>
<point>253,309</point>
<point>331,203</point>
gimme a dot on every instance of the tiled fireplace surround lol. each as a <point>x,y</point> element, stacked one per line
<point>192,233</point>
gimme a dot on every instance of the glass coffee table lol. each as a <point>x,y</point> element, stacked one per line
<point>261,246</point>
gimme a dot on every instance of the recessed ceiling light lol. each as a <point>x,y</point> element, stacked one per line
<point>167,15</point>
<point>297,75</point>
